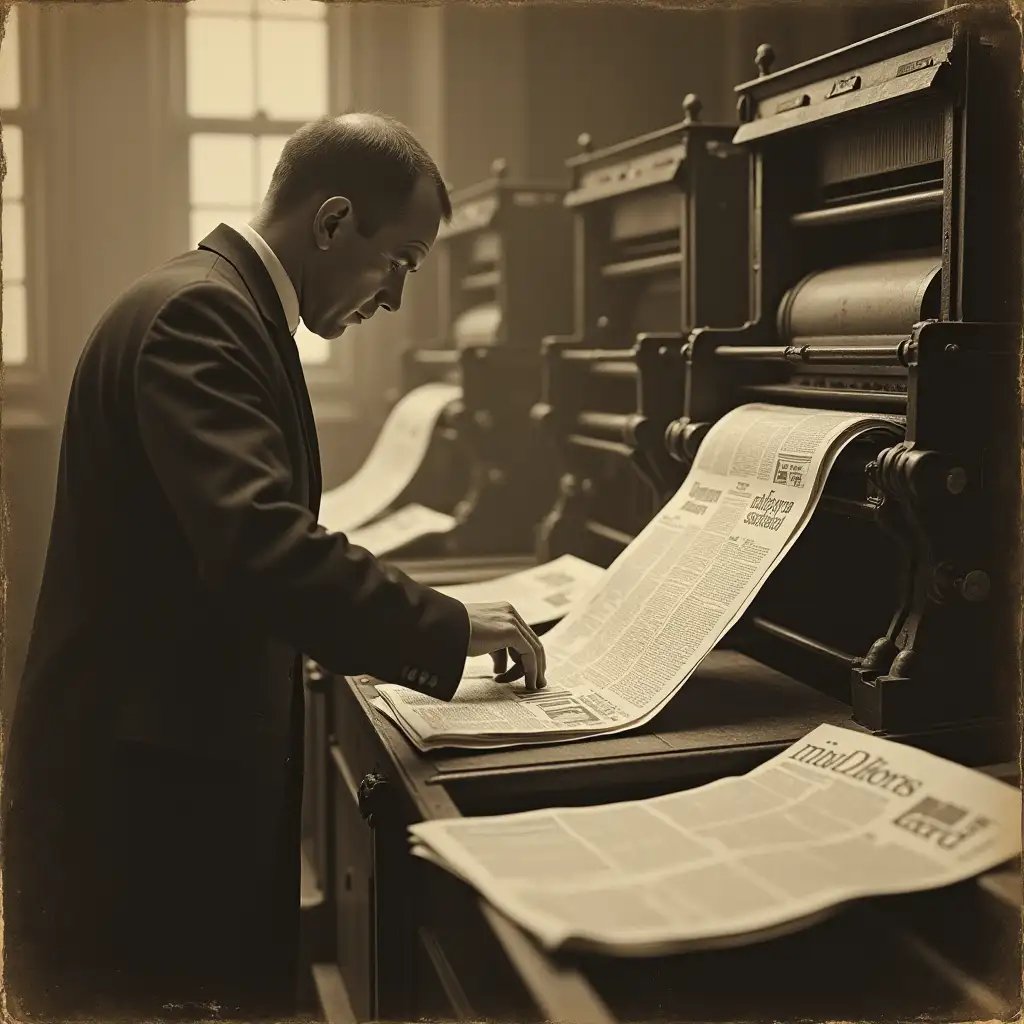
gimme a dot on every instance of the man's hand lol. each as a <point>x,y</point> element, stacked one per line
<point>497,629</point>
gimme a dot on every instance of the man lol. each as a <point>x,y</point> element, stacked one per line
<point>152,783</point>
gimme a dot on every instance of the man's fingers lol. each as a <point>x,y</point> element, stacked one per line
<point>536,647</point>
<point>524,653</point>
<point>525,659</point>
<point>520,643</point>
<point>510,675</point>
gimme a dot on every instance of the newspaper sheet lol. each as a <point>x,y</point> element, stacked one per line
<point>392,463</point>
<point>543,593</point>
<point>628,646</point>
<point>394,531</point>
<point>839,816</point>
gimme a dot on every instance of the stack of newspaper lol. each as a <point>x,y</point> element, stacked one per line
<point>838,816</point>
<point>637,635</point>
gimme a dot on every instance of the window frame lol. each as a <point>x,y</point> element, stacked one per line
<point>332,384</point>
<point>24,382</point>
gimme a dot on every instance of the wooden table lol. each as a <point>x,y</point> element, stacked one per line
<point>411,942</point>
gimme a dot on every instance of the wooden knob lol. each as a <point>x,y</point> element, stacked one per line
<point>764,59</point>
<point>372,795</point>
<point>585,142</point>
<point>692,107</point>
<point>499,168</point>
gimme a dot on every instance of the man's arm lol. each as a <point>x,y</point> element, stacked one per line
<point>210,426</point>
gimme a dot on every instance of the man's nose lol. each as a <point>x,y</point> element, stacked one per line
<point>390,297</point>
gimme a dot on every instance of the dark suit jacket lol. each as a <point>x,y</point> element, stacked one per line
<point>185,574</point>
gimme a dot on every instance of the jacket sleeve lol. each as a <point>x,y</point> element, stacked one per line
<point>209,420</point>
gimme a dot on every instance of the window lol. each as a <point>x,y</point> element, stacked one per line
<point>255,70</point>
<point>15,304</point>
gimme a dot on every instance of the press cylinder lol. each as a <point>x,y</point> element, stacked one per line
<point>865,303</point>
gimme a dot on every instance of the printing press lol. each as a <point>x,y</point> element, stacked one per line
<point>660,247</point>
<point>873,288</point>
<point>885,265</point>
<point>505,271</point>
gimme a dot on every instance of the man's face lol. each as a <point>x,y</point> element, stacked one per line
<point>348,277</point>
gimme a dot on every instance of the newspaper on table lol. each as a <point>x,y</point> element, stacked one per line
<point>633,640</point>
<point>841,815</point>
<point>542,593</point>
<point>394,531</point>
<point>391,465</point>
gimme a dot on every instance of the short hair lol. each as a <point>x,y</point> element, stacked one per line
<point>371,159</point>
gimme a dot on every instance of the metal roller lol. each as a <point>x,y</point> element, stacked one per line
<point>478,326</point>
<point>863,303</point>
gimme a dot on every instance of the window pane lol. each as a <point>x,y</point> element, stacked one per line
<point>292,78</point>
<point>14,242</point>
<point>313,350</point>
<point>291,8</point>
<point>15,326</point>
<point>200,7</point>
<point>205,219</point>
<point>222,170</point>
<point>269,151</point>
<point>14,181</point>
<point>10,63</point>
<point>219,67</point>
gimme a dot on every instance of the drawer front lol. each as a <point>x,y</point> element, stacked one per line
<point>463,953</point>
<point>439,994</point>
<point>353,889</point>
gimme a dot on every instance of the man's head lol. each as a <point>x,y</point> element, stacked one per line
<point>354,206</point>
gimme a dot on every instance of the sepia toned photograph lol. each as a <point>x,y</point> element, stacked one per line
<point>511,511</point>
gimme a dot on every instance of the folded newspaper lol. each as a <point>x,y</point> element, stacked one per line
<point>637,635</point>
<point>839,816</point>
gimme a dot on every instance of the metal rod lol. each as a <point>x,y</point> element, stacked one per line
<point>615,370</point>
<point>597,444</point>
<point>865,401</point>
<point>632,268</point>
<point>607,423</point>
<point>595,354</point>
<point>873,355</point>
<point>849,507</point>
<point>888,206</point>
<point>436,355</point>
<point>608,532</point>
<point>805,643</point>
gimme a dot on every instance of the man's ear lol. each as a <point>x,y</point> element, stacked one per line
<point>334,221</point>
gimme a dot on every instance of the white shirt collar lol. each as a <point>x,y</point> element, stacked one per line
<point>282,282</point>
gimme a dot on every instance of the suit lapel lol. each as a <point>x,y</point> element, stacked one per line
<point>236,250</point>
